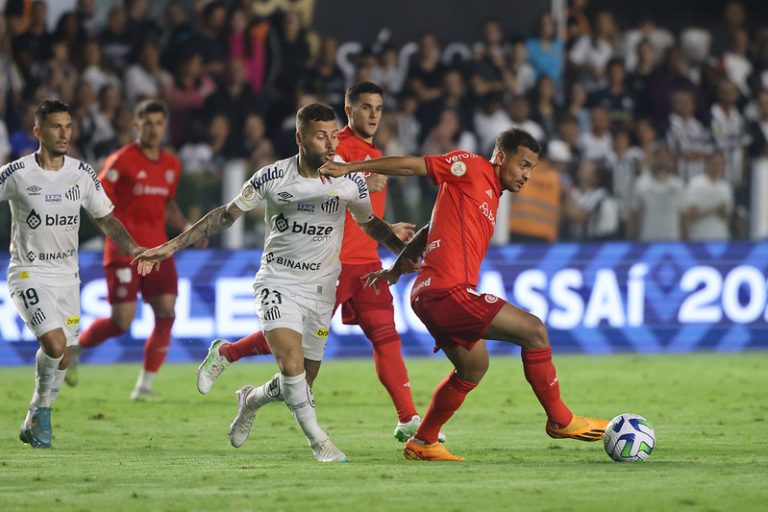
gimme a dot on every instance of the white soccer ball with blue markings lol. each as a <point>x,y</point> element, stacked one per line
<point>629,438</point>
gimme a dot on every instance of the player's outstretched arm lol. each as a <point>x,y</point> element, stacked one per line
<point>213,223</point>
<point>405,262</point>
<point>388,165</point>
<point>115,230</point>
<point>177,220</point>
<point>382,233</point>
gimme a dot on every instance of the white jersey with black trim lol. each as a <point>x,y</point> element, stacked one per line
<point>45,211</point>
<point>305,225</point>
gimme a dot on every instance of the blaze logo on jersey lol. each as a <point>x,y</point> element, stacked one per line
<point>34,220</point>
<point>73,194</point>
<point>281,223</point>
<point>458,169</point>
<point>330,205</point>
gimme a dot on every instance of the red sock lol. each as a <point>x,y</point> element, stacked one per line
<point>252,345</point>
<point>390,367</point>
<point>101,329</point>
<point>540,374</point>
<point>447,398</point>
<point>156,346</point>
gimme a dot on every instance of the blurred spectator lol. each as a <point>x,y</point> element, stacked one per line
<point>729,131</point>
<point>490,61</point>
<point>105,134</point>
<point>590,53</point>
<point>208,39</point>
<point>258,148</point>
<point>709,202</point>
<point>576,105</point>
<point>520,117</point>
<point>93,71</point>
<point>290,57</point>
<point>324,78</point>
<point>545,50</point>
<point>490,120</point>
<point>141,27</point>
<point>647,143</point>
<point>425,73</point>
<point>687,137</point>
<point>36,39</point>
<point>449,135</point>
<point>596,143</point>
<point>70,30</point>
<point>736,62</point>
<point>525,75</point>
<point>535,212</point>
<point>544,108</point>
<point>578,17</point>
<point>5,144</point>
<point>658,202</point>
<point>203,163</point>
<point>191,86</point>
<point>408,127</point>
<point>178,32</point>
<point>591,210</point>
<point>638,79</point>
<point>615,98</point>
<point>568,134</point>
<point>57,72</point>
<point>248,41</point>
<point>147,79</point>
<point>86,17</point>
<point>23,142</point>
<point>623,163</point>
<point>734,18</point>
<point>758,130</point>
<point>115,40</point>
<point>455,97</point>
<point>11,82</point>
<point>646,30</point>
<point>671,76</point>
<point>388,73</point>
<point>234,100</point>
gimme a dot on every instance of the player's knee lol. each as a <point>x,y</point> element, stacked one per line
<point>538,337</point>
<point>474,373</point>
<point>122,323</point>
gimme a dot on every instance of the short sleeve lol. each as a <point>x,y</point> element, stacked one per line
<point>175,185</point>
<point>253,191</point>
<point>6,183</point>
<point>110,175</point>
<point>95,199</point>
<point>454,167</point>
<point>360,207</point>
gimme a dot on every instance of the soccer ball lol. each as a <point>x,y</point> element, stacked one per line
<point>629,438</point>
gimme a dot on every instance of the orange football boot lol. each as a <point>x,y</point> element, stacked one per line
<point>580,427</point>
<point>435,451</point>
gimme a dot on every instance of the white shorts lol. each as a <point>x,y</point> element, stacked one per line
<point>311,318</point>
<point>45,307</point>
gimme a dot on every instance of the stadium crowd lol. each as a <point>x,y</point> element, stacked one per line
<point>649,135</point>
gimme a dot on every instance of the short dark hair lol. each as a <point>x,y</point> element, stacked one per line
<point>48,107</point>
<point>313,112</point>
<point>510,140</point>
<point>150,107</point>
<point>355,90</point>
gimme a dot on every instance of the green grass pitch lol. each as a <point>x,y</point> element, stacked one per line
<point>710,413</point>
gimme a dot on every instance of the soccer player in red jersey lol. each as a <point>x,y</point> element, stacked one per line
<point>444,295</point>
<point>141,179</point>
<point>373,312</point>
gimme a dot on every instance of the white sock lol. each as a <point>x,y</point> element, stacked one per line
<point>58,380</point>
<point>266,393</point>
<point>145,379</point>
<point>45,374</point>
<point>298,397</point>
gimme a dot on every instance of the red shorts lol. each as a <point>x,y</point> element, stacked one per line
<point>124,283</point>
<point>459,316</point>
<point>353,298</point>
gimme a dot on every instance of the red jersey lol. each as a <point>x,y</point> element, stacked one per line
<point>357,247</point>
<point>140,188</point>
<point>462,223</point>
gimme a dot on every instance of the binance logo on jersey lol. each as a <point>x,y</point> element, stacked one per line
<point>34,220</point>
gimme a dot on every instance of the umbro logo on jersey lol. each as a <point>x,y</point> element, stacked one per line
<point>489,193</point>
<point>34,190</point>
<point>284,196</point>
<point>141,174</point>
<point>281,223</point>
<point>73,194</point>
<point>330,205</point>
<point>34,220</point>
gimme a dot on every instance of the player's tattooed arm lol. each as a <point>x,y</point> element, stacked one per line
<point>115,230</point>
<point>382,233</point>
<point>214,222</point>
<point>405,263</point>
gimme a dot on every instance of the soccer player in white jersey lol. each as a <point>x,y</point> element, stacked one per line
<point>295,287</point>
<point>46,190</point>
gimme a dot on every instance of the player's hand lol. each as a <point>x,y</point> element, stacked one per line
<point>150,259</point>
<point>376,182</point>
<point>403,230</point>
<point>408,266</point>
<point>332,169</point>
<point>201,244</point>
<point>389,275</point>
